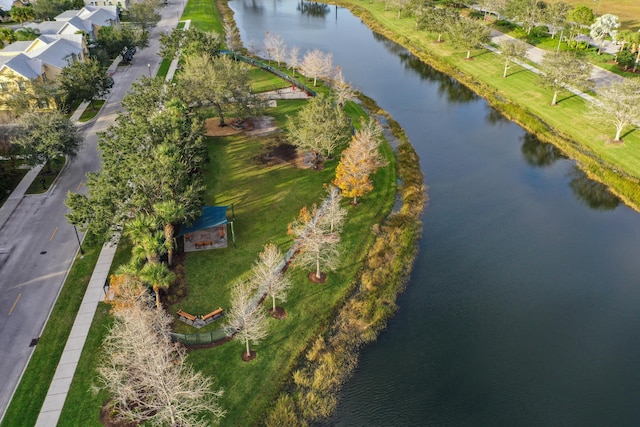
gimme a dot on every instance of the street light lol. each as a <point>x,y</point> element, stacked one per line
<point>149,68</point>
<point>78,237</point>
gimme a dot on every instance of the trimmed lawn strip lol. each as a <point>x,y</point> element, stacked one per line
<point>29,397</point>
<point>92,109</point>
<point>521,98</point>
<point>49,177</point>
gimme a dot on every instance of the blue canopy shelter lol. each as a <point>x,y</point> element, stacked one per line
<point>209,231</point>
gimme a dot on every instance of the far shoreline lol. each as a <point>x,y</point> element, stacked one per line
<point>616,180</point>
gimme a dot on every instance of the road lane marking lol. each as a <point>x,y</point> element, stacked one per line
<point>54,233</point>
<point>15,303</point>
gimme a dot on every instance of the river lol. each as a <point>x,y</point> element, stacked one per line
<point>523,308</point>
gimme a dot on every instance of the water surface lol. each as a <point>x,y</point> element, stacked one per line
<point>523,307</point>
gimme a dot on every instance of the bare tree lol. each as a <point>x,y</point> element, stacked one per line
<point>563,69</point>
<point>275,47</point>
<point>333,214</point>
<point>317,245</point>
<point>316,64</point>
<point>267,272</point>
<point>512,50</point>
<point>341,89</point>
<point>293,58</point>
<point>617,104</point>
<point>247,321</point>
<point>234,41</point>
<point>147,374</point>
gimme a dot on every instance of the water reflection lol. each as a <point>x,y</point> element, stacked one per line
<point>254,6</point>
<point>539,154</point>
<point>592,193</point>
<point>313,8</point>
<point>454,91</point>
<point>495,117</point>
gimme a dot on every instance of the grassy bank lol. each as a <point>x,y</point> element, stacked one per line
<point>520,98</point>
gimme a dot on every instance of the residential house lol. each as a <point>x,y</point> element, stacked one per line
<point>39,59</point>
<point>87,20</point>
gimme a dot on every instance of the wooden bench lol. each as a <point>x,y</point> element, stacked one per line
<point>214,314</point>
<point>187,315</point>
<point>203,244</point>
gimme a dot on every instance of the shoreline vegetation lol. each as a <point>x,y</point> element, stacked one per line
<point>570,130</point>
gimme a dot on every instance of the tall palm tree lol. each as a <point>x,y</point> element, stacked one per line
<point>159,276</point>
<point>169,212</point>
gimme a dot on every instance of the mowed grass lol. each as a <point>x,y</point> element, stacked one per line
<point>266,199</point>
<point>203,15</point>
<point>522,87</point>
<point>628,11</point>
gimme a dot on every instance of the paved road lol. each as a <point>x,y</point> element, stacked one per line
<point>37,244</point>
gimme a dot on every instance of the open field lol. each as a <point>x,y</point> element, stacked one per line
<point>628,11</point>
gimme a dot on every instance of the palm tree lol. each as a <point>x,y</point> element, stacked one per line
<point>148,242</point>
<point>159,276</point>
<point>7,35</point>
<point>169,212</point>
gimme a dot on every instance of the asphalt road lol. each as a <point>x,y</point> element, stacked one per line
<point>38,245</point>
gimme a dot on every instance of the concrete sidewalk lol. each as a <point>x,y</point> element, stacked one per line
<point>600,76</point>
<point>57,393</point>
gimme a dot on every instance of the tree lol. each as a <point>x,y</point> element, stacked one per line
<point>117,40</point>
<point>512,50</point>
<point>27,33</point>
<point>275,47</point>
<point>159,277</point>
<point>359,161</point>
<point>578,18</point>
<point>320,126</point>
<point>247,321</point>
<point>469,34</point>
<point>148,242</point>
<point>38,94</point>
<point>47,10</point>
<point>341,89</point>
<point>528,12</point>
<point>293,58</point>
<point>169,212</point>
<point>563,69</point>
<point>144,13</point>
<point>84,81</point>
<point>556,16</point>
<point>147,375</point>
<point>189,42</point>
<point>154,152</point>
<point>493,6</point>
<point>47,135</point>
<point>267,273</point>
<point>617,104</point>
<point>7,35</point>
<point>437,20</point>
<point>232,35</point>
<point>22,14</point>
<point>222,82</point>
<point>333,214</point>
<point>316,64</point>
<point>604,26</point>
<point>316,245</point>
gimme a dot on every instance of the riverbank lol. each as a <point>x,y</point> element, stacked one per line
<point>520,99</point>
